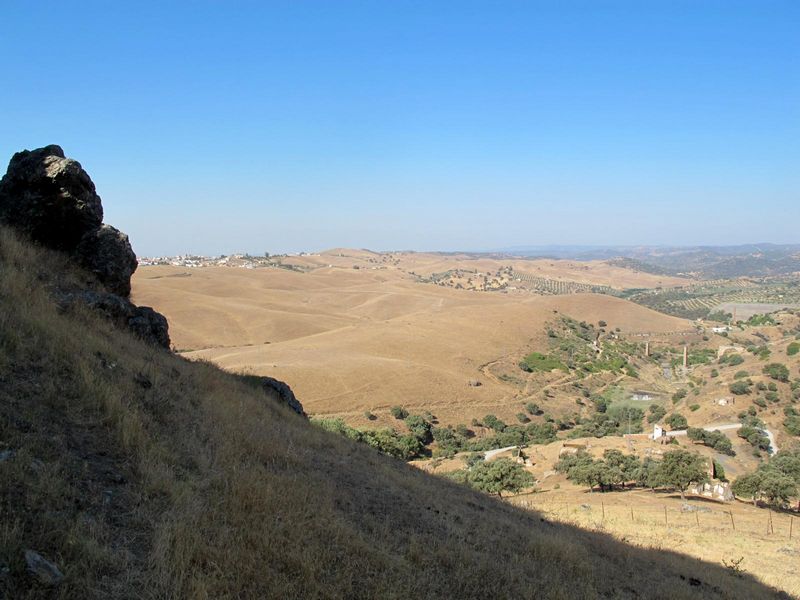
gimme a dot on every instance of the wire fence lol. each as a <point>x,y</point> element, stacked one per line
<point>687,516</point>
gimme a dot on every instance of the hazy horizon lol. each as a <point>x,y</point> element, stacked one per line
<point>287,127</point>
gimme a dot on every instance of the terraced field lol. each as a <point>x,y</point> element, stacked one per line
<point>545,286</point>
<point>698,300</point>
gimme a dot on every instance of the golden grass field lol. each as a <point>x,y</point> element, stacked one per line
<point>350,340</point>
<point>200,485</point>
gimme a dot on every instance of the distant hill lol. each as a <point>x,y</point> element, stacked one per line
<point>706,262</point>
<point>128,472</point>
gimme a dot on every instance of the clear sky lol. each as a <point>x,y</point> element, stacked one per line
<point>282,126</point>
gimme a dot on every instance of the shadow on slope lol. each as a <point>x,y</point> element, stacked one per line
<point>143,475</point>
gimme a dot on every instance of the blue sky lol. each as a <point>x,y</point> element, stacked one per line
<point>283,126</point>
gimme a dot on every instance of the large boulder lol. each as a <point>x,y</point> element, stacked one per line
<point>283,392</point>
<point>143,321</point>
<point>50,198</point>
<point>107,253</point>
<point>150,325</point>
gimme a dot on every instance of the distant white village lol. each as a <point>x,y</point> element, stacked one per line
<point>242,261</point>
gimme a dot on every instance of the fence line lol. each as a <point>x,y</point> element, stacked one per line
<point>598,512</point>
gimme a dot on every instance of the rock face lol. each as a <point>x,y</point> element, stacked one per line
<point>49,197</point>
<point>146,323</point>
<point>52,200</point>
<point>107,253</point>
<point>45,572</point>
<point>284,392</point>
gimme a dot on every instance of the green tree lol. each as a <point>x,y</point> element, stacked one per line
<point>677,421</point>
<point>498,476</point>
<point>739,388</point>
<point>777,371</point>
<point>657,412</point>
<point>748,486</point>
<point>398,412</point>
<point>420,428</point>
<point>533,408</point>
<point>680,469</point>
<point>778,488</point>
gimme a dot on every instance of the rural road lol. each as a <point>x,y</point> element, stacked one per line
<point>727,427</point>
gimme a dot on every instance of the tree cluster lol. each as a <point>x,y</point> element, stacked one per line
<point>678,469</point>
<point>713,439</point>
<point>776,481</point>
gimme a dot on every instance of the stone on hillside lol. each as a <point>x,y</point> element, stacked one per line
<point>284,393</point>
<point>50,198</point>
<point>150,325</point>
<point>107,253</point>
<point>143,321</point>
<point>42,569</point>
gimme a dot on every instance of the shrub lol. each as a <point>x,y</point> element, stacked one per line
<point>679,395</point>
<point>498,476</point>
<point>792,425</point>
<point>420,428</point>
<point>657,412</point>
<point>760,402</point>
<point>733,359</point>
<point>523,418</point>
<point>792,349</point>
<point>777,371</point>
<point>398,412</point>
<point>533,408</point>
<point>493,422</point>
<point>369,416</point>
<point>694,407</point>
<point>739,388</point>
<point>536,361</point>
<point>677,421</point>
<point>740,374</point>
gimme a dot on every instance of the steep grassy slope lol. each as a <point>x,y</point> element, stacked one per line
<point>142,475</point>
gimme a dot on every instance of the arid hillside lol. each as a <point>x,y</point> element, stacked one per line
<point>354,340</point>
<point>138,474</point>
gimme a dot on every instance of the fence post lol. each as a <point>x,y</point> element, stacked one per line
<point>632,521</point>
<point>791,525</point>
<point>666,523</point>
<point>730,513</point>
<point>603,507</point>
<point>697,518</point>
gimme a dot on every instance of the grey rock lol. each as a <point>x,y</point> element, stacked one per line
<point>146,323</point>
<point>7,454</point>
<point>107,253</point>
<point>42,569</point>
<point>50,198</point>
<point>150,325</point>
<point>284,393</point>
<point>685,507</point>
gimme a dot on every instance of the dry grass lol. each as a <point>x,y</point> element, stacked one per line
<point>199,486</point>
<point>768,543</point>
<point>349,341</point>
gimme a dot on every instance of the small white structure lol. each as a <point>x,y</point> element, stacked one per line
<point>658,432</point>
<point>724,401</point>
<point>724,329</point>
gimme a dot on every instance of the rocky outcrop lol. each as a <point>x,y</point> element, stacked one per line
<point>284,393</point>
<point>50,198</point>
<point>149,325</point>
<point>107,253</point>
<point>53,201</point>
